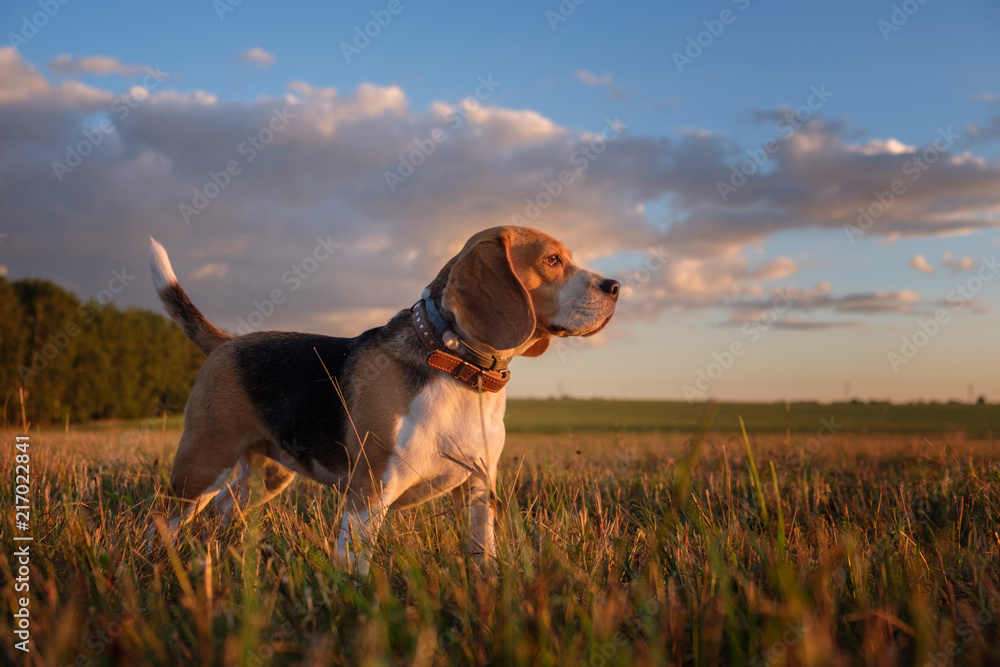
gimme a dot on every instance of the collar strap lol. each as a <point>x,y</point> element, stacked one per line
<point>454,343</point>
<point>430,328</point>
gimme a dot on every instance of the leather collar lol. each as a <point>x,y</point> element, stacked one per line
<point>480,371</point>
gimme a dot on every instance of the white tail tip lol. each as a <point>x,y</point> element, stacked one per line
<point>159,263</point>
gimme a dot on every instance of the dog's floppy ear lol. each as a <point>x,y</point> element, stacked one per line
<point>487,298</point>
<point>537,349</point>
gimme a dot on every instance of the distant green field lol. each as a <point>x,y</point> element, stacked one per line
<point>570,415</point>
<point>565,414</point>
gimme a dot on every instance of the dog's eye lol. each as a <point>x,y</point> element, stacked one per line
<point>552,260</point>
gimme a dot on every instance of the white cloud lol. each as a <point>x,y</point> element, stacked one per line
<point>591,79</point>
<point>957,265</point>
<point>883,146</point>
<point>23,87</point>
<point>780,267</point>
<point>350,321</point>
<point>820,297</point>
<point>789,322</point>
<point>602,80</point>
<point>798,324</point>
<point>258,57</point>
<point>983,133</point>
<point>919,263</point>
<point>99,65</point>
<point>210,270</point>
<point>324,176</point>
<point>819,179</point>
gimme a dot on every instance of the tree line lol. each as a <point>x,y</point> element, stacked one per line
<point>87,360</point>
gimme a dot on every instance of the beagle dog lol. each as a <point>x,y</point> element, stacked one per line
<point>393,417</point>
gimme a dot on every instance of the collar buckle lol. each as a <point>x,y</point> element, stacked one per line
<point>430,326</point>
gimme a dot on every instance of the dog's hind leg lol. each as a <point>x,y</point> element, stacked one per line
<point>220,421</point>
<point>193,483</point>
<point>245,491</point>
<point>220,426</point>
<point>196,479</point>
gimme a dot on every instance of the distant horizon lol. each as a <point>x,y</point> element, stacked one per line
<point>753,402</point>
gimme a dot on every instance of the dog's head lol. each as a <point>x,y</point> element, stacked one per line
<point>512,288</point>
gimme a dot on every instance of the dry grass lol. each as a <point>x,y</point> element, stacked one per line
<point>614,550</point>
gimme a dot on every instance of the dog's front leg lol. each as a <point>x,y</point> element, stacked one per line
<point>358,531</point>
<point>482,542</point>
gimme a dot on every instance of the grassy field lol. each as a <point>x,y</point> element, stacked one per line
<point>625,538</point>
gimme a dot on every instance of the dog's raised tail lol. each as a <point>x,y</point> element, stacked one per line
<point>204,334</point>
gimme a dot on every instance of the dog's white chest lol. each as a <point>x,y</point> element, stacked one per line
<point>447,422</point>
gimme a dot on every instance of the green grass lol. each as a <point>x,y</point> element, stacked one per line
<point>637,546</point>
<point>567,414</point>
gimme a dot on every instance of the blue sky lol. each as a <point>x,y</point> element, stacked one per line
<point>557,84</point>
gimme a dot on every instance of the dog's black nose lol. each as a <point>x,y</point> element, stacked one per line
<point>612,287</point>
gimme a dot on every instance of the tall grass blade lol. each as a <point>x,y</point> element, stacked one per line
<point>781,515</point>
<point>752,465</point>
